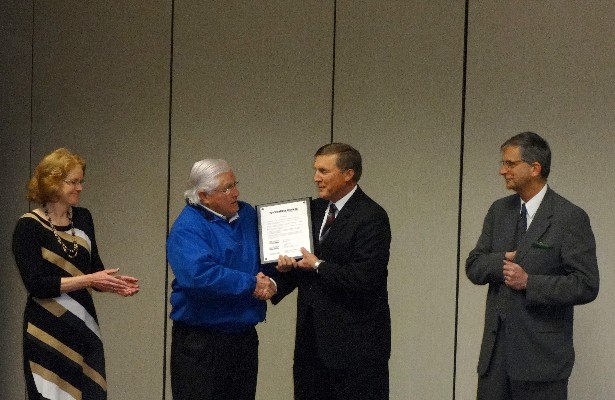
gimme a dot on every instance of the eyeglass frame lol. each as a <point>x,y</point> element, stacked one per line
<point>228,189</point>
<point>512,164</point>
<point>74,182</point>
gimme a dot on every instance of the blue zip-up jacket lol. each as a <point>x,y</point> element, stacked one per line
<point>215,265</point>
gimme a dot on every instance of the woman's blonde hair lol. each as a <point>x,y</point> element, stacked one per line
<point>49,174</point>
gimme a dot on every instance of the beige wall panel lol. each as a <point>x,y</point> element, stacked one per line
<point>15,61</point>
<point>398,100</point>
<point>532,69</point>
<point>101,73</point>
<point>251,84</point>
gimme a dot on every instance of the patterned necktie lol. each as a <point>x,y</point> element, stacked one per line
<point>329,221</point>
<point>521,224</point>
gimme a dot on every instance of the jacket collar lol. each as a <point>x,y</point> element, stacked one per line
<point>209,215</point>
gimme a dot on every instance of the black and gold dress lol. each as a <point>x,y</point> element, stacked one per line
<point>62,346</point>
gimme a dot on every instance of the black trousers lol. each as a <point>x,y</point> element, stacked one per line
<point>315,381</point>
<point>211,365</point>
<point>497,385</point>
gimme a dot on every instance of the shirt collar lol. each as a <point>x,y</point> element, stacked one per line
<point>341,202</point>
<point>231,219</point>
<point>532,204</point>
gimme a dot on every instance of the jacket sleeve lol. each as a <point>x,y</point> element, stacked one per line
<point>576,280</point>
<point>286,282</point>
<point>197,268</point>
<point>484,265</point>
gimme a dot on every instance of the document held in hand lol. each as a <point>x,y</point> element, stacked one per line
<point>284,228</point>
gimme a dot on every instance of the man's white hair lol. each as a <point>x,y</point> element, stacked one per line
<point>203,178</point>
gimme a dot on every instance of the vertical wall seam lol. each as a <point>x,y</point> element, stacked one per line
<point>168,208</point>
<point>460,190</point>
<point>333,69</point>
<point>31,133</point>
<point>31,94</point>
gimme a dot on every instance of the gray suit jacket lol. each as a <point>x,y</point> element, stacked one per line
<point>559,254</point>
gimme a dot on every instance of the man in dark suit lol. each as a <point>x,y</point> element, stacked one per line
<point>343,336</point>
<point>538,254</point>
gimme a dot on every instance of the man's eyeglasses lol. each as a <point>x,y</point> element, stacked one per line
<point>228,188</point>
<point>74,182</point>
<point>510,164</point>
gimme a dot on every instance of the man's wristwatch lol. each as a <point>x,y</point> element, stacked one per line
<point>317,264</point>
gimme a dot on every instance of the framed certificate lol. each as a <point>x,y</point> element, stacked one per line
<point>284,228</point>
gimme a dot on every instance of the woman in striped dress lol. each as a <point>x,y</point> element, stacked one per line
<point>56,253</point>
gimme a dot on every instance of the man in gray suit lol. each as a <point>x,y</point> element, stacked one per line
<point>538,254</point>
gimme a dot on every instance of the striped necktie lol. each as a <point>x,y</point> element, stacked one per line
<point>328,221</point>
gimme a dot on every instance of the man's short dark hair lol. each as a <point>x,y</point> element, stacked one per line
<point>348,157</point>
<point>533,148</point>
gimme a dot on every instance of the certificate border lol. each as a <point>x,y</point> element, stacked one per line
<point>259,207</point>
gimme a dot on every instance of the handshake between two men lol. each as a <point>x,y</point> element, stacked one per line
<point>266,287</point>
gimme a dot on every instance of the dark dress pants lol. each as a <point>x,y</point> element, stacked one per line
<point>211,365</point>
<point>315,381</point>
<point>497,385</point>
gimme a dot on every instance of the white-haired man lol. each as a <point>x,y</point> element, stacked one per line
<point>219,291</point>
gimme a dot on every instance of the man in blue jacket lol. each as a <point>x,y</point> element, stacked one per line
<point>219,292</point>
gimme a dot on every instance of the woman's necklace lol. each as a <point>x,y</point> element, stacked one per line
<point>72,253</point>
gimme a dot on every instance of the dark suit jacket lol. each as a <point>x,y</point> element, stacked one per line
<point>559,254</point>
<point>348,296</point>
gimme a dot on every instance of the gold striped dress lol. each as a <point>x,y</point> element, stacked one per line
<point>62,345</point>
